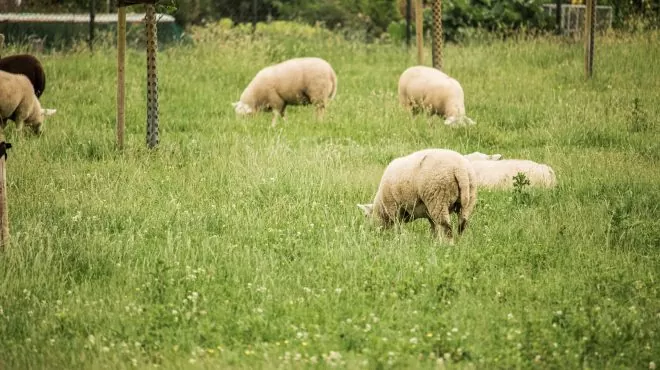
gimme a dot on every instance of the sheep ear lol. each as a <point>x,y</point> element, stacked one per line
<point>48,112</point>
<point>366,208</point>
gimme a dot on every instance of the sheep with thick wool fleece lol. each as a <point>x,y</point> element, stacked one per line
<point>298,81</point>
<point>19,103</point>
<point>496,173</point>
<point>430,89</point>
<point>431,184</point>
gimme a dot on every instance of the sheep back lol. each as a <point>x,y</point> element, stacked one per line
<point>297,81</point>
<point>29,66</point>
<point>415,185</point>
<point>430,88</point>
<point>18,101</point>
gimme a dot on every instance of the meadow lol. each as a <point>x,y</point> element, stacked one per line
<point>236,245</point>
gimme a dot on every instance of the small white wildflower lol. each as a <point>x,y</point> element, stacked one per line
<point>509,316</point>
<point>455,330</point>
<point>338,290</point>
<point>51,341</point>
<point>105,349</point>
<point>91,339</point>
<point>413,340</point>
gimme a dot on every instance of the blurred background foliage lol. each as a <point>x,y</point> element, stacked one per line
<point>377,19</point>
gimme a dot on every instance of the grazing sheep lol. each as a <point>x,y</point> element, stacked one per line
<point>29,66</point>
<point>19,103</point>
<point>427,88</point>
<point>431,184</point>
<point>495,173</point>
<point>298,81</point>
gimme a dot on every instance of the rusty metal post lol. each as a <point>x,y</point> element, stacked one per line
<point>121,85</point>
<point>4,214</point>
<point>152,78</point>
<point>419,25</point>
<point>589,31</point>
<point>437,35</point>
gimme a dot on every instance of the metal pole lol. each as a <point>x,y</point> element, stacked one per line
<point>152,78</point>
<point>92,15</point>
<point>408,18</point>
<point>558,16</point>
<point>121,62</point>
<point>437,34</point>
<point>589,30</point>
<point>419,24</point>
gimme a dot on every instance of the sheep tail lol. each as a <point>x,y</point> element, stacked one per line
<point>467,192</point>
<point>333,79</point>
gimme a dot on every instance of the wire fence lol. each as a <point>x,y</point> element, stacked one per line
<point>41,31</point>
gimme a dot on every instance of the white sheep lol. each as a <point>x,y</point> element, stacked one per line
<point>298,81</point>
<point>426,88</point>
<point>431,184</point>
<point>19,103</point>
<point>482,156</point>
<point>495,173</point>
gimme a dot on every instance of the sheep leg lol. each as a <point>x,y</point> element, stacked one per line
<point>278,105</point>
<point>320,111</point>
<point>439,218</point>
<point>278,112</point>
<point>463,223</point>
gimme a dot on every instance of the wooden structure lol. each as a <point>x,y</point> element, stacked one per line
<point>589,33</point>
<point>152,76</point>
<point>4,214</point>
<point>419,25</point>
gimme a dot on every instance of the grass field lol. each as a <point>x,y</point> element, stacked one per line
<point>235,245</point>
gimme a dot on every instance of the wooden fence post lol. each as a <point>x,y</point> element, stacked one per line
<point>589,31</point>
<point>121,79</point>
<point>4,214</point>
<point>408,19</point>
<point>419,25</point>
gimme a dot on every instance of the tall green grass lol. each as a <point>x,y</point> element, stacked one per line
<point>234,245</point>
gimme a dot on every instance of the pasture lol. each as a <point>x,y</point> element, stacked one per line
<point>235,245</point>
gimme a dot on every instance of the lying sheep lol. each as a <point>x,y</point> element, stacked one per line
<point>29,66</point>
<point>19,103</point>
<point>478,156</point>
<point>425,88</point>
<point>429,184</point>
<point>495,173</point>
<point>298,81</point>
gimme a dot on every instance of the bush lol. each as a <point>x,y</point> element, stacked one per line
<point>462,19</point>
